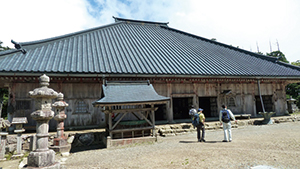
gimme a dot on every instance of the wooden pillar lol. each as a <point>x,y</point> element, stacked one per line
<point>218,91</point>
<point>254,100</point>
<point>195,97</point>
<point>110,121</point>
<point>170,103</point>
<point>153,119</point>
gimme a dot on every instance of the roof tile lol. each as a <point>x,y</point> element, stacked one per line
<point>130,47</point>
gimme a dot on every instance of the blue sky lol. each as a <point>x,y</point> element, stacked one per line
<point>250,24</point>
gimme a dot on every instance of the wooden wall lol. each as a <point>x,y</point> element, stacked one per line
<point>242,94</point>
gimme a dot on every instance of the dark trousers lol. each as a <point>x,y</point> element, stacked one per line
<point>200,127</point>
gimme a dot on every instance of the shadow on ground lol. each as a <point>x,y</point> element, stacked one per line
<point>198,142</point>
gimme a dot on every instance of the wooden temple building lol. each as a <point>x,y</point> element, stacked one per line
<point>188,69</point>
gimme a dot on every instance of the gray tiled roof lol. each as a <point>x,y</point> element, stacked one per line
<point>129,92</point>
<point>131,47</point>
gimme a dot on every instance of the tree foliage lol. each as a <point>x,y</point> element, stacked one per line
<point>3,91</point>
<point>279,55</point>
<point>297,63</point>
<point>2,48</point>
<point>293,89</point>
<point>3,101</point>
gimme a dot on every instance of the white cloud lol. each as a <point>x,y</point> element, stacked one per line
<point>35,19</point>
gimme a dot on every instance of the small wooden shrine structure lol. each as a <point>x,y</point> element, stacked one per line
<point>130,107</point>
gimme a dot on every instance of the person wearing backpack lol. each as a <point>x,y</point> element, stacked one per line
<point>224,117</point>
<point>201,125</point>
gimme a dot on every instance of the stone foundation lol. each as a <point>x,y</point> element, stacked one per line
<point>129,141</point>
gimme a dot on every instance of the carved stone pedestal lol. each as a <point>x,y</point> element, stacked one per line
<point>60,143</point>
<point>42,157</point>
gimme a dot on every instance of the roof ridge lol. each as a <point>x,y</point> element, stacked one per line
<point>66,35</point>
<point>288,64</point>
<point>117,19</point>
<point>8,51</point>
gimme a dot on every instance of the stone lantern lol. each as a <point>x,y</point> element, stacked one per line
<point>42,157</point>
<point>292,107</point>
<point>19,122</point>
<point>3,124</point>
<point>60,143</point>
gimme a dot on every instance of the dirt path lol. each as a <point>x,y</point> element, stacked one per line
<point>276,146</point>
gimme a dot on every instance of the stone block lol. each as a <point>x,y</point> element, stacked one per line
<point>86,139</point>
<point>70,139</point>
<point>26,146</point>
<point>11,139</point>
<point>186,126</point>
<point>11,148</point>
<point>41,159</point>
<point>62,149</point>
<point>169,134</point>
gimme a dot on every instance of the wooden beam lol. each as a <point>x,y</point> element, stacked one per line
<point>118,121</point>
<point>132,104</point>
<point>145,118</point>
<point>136,116</point>
<point>129,110</point>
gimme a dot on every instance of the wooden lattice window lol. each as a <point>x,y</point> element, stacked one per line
<point>231,102</point>
<point>81,107</point>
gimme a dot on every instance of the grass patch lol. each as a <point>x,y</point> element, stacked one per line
<point>8,156</point>
<point>186,162</point>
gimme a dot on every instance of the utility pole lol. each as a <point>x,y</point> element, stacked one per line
<point>257,47</point>
<point>270,46</point>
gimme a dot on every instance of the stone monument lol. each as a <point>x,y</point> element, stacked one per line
<point>42,157</point>
<point>19,122</point>
<point>267,117</point>
<point>60,143</point>
<point>292,107</point>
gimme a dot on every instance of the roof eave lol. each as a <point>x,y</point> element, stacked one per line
<point>50,74</point>
<point>102,104</point>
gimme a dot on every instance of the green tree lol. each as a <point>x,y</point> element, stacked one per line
<point>297,63</point>
<point>3,102</point>
<point>2,48</point>
<point>278,54</point>
<point>293,89</point>
<point>3,91</point>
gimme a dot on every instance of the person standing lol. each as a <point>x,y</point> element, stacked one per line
<point>201,126</point>
<point>224,117</point>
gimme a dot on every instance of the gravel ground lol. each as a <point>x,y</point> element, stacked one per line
<point>275,146</point>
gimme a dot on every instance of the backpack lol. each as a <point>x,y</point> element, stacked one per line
<point>192,112</point>
<point>225,116</point>
<point>196,120</point>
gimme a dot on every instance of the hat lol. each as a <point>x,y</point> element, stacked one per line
<point>200,109</point>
